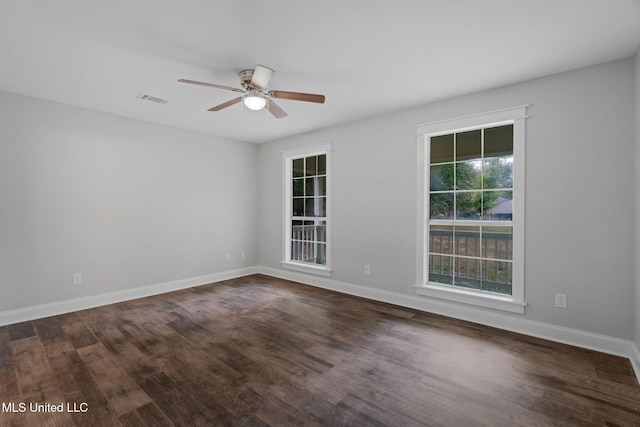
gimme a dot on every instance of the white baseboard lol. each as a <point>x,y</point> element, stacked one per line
<point>575,337</point>
<point>635,361</point>
<point>60,307</point>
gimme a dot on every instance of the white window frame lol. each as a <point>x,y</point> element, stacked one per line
<point>287,160</point>
<point>514,303</point>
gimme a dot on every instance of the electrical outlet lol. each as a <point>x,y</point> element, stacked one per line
<point>561,300</point>
<point>76,279</point>
<point>367,270</point>
<point>227,257</point>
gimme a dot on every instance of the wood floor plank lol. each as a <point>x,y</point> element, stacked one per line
<point>76,331</point>
<point>261,351</point>
<point>152,416</point>
<point>275,412</point>
<point>176,400</point>
<point>131,419</point>
<point>8,379</point>
<point>22,330</point>
<point>36,382</point>
<point>122,392</point>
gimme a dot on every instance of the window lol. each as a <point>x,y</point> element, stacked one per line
<point>306,207</point>
<point>472,216</point>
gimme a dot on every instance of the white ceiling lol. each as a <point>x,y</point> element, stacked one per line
<point>367,56</point>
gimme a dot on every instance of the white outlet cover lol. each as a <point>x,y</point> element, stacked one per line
<point>561,300</point>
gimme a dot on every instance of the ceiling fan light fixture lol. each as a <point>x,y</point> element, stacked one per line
<point>254,102</point>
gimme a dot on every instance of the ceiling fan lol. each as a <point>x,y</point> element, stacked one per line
<point>255,95</point>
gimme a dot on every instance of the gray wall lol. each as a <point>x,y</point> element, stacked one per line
<point>124,202</point>
<point>637,197</point>
<point>579,203</point>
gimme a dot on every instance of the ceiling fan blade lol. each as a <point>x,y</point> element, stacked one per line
<point>297,96</point>
<point>261,77</point>
<point>275,109</point>
<point>193,82</point>
<point>226,104</point>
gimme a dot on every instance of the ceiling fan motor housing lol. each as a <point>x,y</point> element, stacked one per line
<point>245,77</point>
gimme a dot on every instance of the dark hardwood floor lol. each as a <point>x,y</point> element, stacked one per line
<point>260,351</point>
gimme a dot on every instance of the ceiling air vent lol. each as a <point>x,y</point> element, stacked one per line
<point>155,99</point>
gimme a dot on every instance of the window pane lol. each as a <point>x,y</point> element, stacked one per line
<point>441,206</point>
<point>296,235</point>
<point>298,207</point>
<point>441,239</point>
<point>315,186</point>
<point>467,241</point>
<point>321,254</point>
<point>468,175</point>
<point>322,164</point>
<point>469,205</point>
<point>497,276</point>
<point>467,272</point>
<point>498,205</point>
<point>309,186</point>
<point>321,186</point>
<point>498,141</point>
<point>469,145</point>
<point>309,206</point>
<point>298,167</point>
<point>321,231</point>
<point>299,240</point>
<point>311,166</point>
<point>296,250</point>
<point>498,172</point>
<point>298,187</point>
<point>442,148</point>
<point>315,206</point>
<point>501,288</point>
<point>497,242</point>
<point>441,269</point>
<point>441,177</point>
<point>296,230</point>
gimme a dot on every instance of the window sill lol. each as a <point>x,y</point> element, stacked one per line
<point>306,268</point>
<point>466,296</point>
